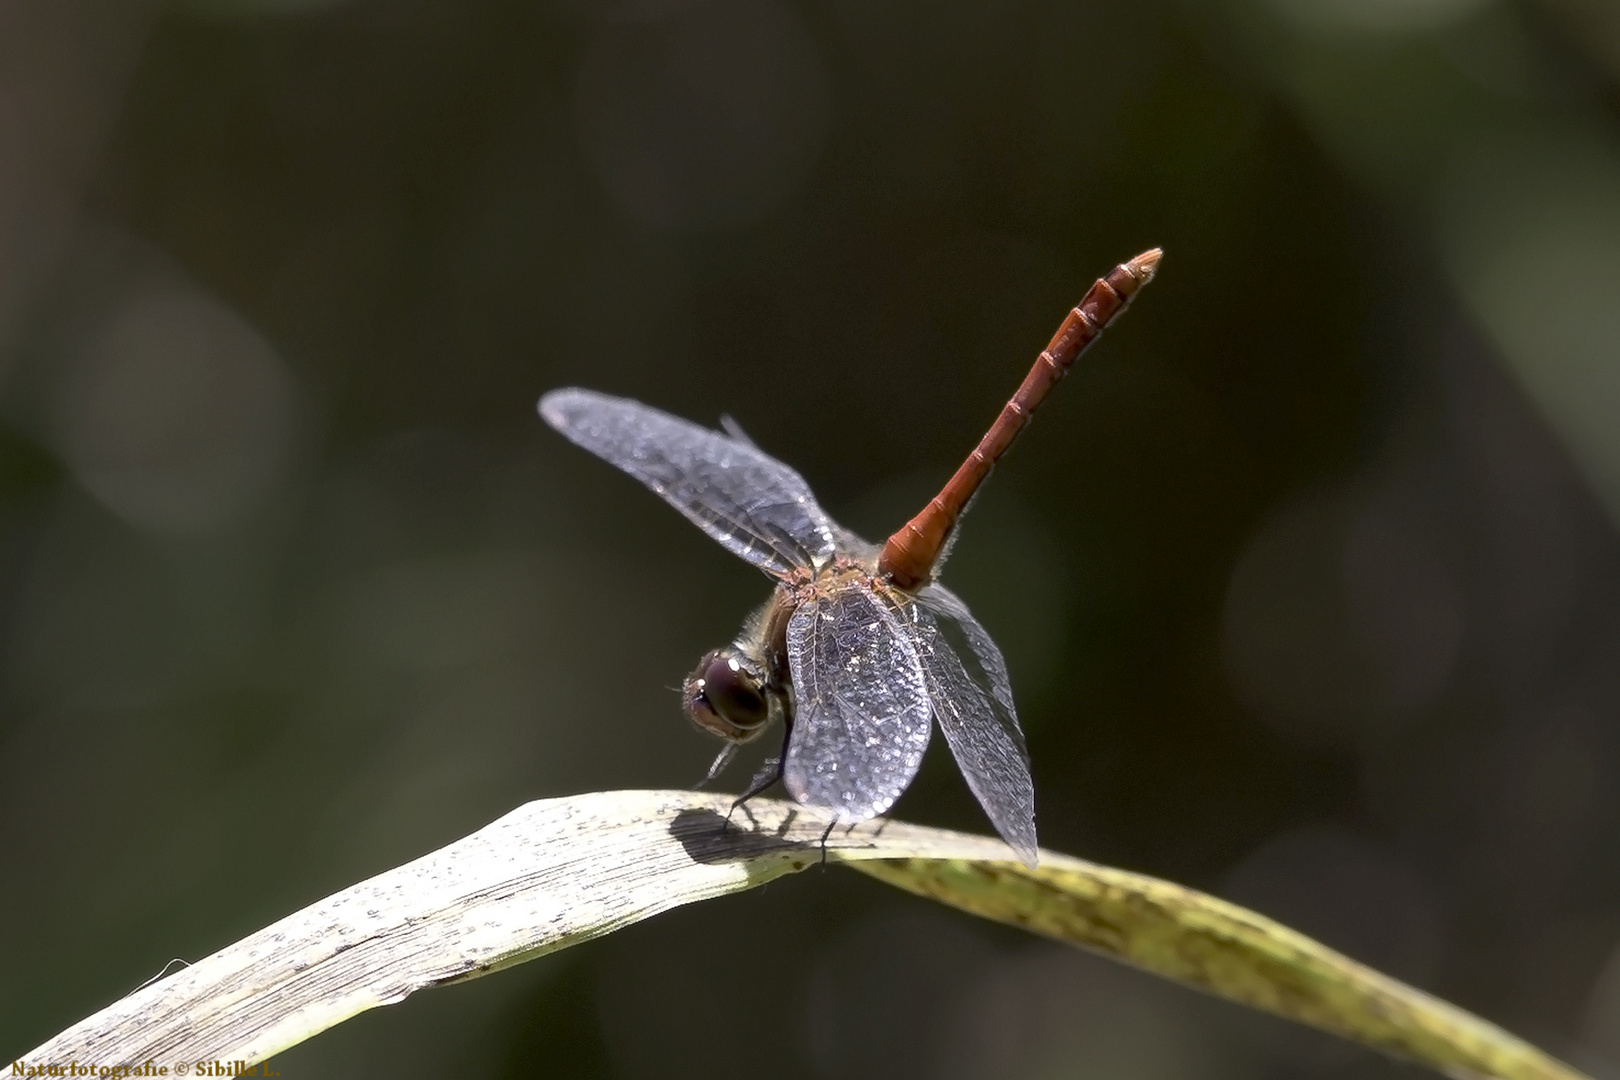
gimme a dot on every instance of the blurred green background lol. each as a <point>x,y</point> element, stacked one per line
<point>1308,576</point>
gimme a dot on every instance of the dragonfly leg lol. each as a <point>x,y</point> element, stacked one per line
<point>831,825</point>
<point>720,763</point>
<point>769,773</point>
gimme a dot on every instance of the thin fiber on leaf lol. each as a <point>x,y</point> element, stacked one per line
<point>558,872</point>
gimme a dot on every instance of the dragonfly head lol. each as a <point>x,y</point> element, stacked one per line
<point>726,697</point>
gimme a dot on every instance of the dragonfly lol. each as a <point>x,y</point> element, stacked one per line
<point>859,650</point>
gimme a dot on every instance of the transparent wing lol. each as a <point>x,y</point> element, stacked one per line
<point>754,505</point>
<point>971,695</point>
<point>861,719</point>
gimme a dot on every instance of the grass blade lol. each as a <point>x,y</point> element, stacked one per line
<point>558,872</point>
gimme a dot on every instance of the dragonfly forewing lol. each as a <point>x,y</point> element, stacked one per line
<point>967,684</point>
<point>862,713</point>
<point>755,506</point>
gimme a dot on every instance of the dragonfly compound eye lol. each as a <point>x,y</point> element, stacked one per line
<point>723,697</point>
